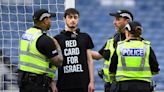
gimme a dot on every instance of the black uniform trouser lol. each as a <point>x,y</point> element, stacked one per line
<point>29,82</point>
<point>134,86</point>
<point>107,86</point>
<point>33,88</point>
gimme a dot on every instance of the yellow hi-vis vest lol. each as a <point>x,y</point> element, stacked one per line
<point>133,61</point>
<point>31,60</point>
<point>109,46</point>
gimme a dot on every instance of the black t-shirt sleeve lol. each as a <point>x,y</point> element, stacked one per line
<point>89,42</point>
<point>46,46</point>
<point>114,62</point>
<point>154,66</point>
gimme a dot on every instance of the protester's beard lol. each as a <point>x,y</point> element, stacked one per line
<point>72,27</point>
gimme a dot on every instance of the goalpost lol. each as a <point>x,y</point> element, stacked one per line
<point>15,18</point>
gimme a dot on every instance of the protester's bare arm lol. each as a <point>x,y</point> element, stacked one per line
<point>91,85</point>
<point>96,55</point>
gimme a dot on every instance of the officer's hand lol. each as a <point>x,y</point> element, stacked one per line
<point>100,73</point>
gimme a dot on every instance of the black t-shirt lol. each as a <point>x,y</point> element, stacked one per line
<point>74,72</point>
<point>45,45</point>
<point>117,37</point>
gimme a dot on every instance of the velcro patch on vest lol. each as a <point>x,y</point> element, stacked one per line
<point>132,52</point>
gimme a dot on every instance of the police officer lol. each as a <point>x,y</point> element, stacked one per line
<point>39,55</point>
<point>122,17</point>
<point>133,62</point>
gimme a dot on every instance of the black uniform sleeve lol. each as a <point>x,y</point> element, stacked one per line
<point>114,62</point>
<point>154,66</point>
<point>46,46</point>
<point>104,52</point>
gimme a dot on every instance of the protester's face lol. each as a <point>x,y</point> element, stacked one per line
<point>120,23</point>
<point>72,20</point>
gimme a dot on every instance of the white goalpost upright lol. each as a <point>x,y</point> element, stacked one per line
<point>69,4</point>
<point>15,18</point>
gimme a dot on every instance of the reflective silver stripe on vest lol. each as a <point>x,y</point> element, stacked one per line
<point>143,57</point>
<point>33,55</point>
<point>36,66</point>
<point>141,68</point>
<point>108,48</point>
<point>134,69</point>
<point>122,58</point>
<point>108,43</point>
<point>106,66</point>
<point>121,76</point>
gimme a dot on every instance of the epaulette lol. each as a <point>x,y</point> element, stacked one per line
<point>146,42</point>
<point>110,39</point>
<point>120,42</point>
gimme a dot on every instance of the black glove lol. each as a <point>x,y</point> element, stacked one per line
<point>100,73</point>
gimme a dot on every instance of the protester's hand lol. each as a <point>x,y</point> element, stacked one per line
<point>91,87</point>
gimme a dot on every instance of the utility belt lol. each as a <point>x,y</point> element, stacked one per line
<point>107,87</point>
<point>25,78</point>
<point>108,83</point>
<point>127,85</point>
